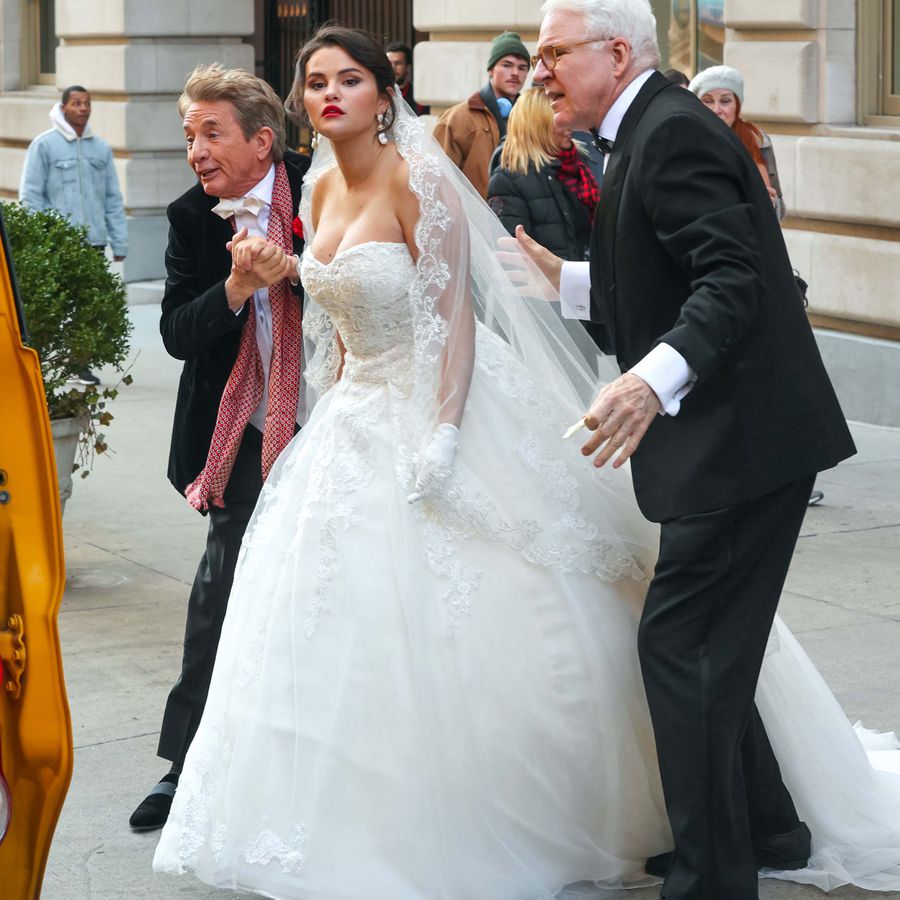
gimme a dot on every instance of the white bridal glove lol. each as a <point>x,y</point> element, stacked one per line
<point>437,462</point>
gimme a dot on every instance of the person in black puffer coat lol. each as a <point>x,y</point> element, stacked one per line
<point>530,187</point>
<point>543,183</point>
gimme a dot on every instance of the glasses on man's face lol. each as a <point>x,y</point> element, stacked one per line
<point>549,54</point>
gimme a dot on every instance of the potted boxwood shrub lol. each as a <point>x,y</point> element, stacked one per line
<point>77,318</point>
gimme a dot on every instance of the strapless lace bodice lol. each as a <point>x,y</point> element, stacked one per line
<point>364,290</point>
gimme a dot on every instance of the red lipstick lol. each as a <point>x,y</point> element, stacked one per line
<point>331,112</point>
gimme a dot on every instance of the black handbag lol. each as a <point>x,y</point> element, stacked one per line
<point>802,287</point>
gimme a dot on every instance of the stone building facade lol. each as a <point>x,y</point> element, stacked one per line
<point>822,77</point>
<point>133,56</point>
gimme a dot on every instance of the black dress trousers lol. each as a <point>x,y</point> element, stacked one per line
<point>702,640</point>
<point>209,600</point>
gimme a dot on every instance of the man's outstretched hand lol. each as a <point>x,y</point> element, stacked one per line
<point>619,418</point>
<point>549,264</point>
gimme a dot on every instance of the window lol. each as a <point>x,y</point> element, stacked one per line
<point>878,52</point>
<point>890,58</point>
<point>691,33</point>
<point>47,39</point>
<point>283,27</point>
<point>38,23</point>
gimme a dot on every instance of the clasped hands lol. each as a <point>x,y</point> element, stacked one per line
<point>255,264</point>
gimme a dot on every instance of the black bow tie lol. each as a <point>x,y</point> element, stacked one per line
<point>604,145</point>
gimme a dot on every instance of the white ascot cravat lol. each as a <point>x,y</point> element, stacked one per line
<point>249,204</point>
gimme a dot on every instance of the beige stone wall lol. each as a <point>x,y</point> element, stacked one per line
<point>134,56</point>
<point>855,274</point>
<point>452,64</point>
<point>800,66</point>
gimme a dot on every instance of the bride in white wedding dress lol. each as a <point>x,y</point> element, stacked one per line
<point>427,685</point>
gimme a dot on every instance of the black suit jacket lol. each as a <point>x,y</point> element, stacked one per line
<point>197,324</point>
<point>687,250</point>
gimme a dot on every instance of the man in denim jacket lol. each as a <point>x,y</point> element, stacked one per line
<point>71,170</point>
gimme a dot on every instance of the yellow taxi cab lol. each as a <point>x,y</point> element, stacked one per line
<point>35,727</point>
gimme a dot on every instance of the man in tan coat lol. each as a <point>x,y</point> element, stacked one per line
<point>470,131</point>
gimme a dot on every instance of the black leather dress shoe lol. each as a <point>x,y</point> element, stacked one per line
<point>790,850</point>
<point>153,810</point>
<point>659,865</point>
<point>786,851</point>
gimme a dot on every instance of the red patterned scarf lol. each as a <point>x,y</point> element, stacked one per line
<point>577,178</point>
<point>244,389</point>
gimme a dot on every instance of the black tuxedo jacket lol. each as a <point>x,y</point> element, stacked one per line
<point>197,324</point>
<point>687,250</point>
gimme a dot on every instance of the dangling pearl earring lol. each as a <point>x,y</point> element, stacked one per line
<point>382,137</point>
<point>314,140</point>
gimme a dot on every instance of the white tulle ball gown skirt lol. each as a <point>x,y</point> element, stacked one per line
<point>443,701</point>
<point>400,710</point>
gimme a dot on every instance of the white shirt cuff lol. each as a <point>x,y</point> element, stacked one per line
<point>575,290</point>
<point>668,374</point>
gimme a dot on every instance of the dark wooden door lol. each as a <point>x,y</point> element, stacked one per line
<point>387,21</point>
<point>288,24</point>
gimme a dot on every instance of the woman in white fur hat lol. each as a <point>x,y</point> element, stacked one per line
<point>721,88</point>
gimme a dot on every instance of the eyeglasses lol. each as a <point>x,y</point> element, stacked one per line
<point>549,54</point>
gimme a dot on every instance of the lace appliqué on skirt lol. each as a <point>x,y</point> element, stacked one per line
<point>266,845</point>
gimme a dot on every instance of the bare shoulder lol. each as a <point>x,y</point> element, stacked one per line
<point>325,183</point>
<point>406,204</point>
<point>321,189</point>
<point>406,200</point>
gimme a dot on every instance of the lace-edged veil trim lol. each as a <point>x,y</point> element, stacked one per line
<point>467,263</point>
<point>455,220</point>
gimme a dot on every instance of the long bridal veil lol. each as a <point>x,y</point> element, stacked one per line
<point>443,700</point>
<point>468,265</point>
<point>852,808</point>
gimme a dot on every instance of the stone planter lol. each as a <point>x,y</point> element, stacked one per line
<point>66,433</point>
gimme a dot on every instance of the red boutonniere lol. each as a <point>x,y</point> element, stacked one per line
<point>298,227</point>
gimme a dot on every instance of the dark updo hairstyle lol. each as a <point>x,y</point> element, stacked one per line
<point>364,50</point>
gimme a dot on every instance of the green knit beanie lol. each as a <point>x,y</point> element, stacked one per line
<point>507,44</point>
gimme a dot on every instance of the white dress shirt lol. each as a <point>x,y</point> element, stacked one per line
<point>663,368</point>
<point>258,226</point>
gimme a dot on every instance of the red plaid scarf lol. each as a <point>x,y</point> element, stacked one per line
<point>577,178</point>
<point>244,389</point>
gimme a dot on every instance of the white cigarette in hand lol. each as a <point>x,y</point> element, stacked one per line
<point>576,427</point>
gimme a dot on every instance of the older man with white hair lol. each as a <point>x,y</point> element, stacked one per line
<point>724,408</point>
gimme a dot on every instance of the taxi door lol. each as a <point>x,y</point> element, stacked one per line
<point>35,728</point>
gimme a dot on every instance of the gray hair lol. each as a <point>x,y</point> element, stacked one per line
<point>256,105</point>
<point>630,19</point>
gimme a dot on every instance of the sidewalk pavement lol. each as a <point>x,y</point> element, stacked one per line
<point>132,546</point>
